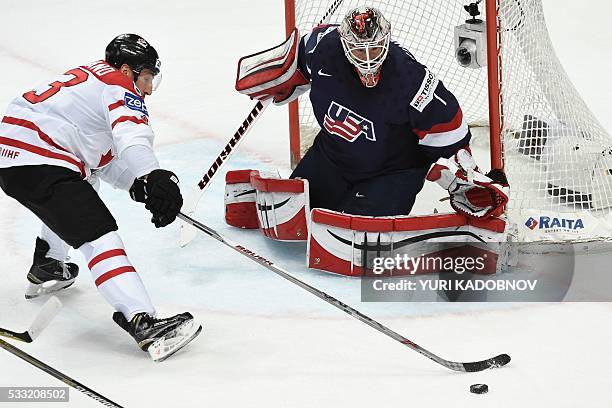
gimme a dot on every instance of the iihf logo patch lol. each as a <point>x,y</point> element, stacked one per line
<point>531,223</point>
<point>343,122</point>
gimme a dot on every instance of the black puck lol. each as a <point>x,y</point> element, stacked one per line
<point>479,388</point>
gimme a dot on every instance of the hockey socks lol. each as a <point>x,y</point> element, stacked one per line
<point>115,277</point>
<point>58,249</point>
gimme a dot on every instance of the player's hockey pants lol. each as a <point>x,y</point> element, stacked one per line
<point>65,202</point>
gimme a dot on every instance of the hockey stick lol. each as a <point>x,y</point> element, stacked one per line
<point>60,376</point>
<point>494,362</point>
<point>188,233</point>
<point>42,320</point>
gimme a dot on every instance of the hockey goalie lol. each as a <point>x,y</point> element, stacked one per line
<point>388,124</point>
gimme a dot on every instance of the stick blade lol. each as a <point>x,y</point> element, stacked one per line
<point>188,232</point>
<point>44,317</point>
<point>495,362</point>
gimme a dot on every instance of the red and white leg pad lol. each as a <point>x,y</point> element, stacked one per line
<point>240,207</point>
<point>279,207</point>
<point>282,207</point>
<point>354,245</point>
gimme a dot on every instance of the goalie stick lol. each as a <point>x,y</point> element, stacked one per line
<point>188,233</point>
<point>494,362</point>
<point>60,376</point>
<point>42,320</point>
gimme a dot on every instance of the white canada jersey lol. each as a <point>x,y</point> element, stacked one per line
<point>80,120</point>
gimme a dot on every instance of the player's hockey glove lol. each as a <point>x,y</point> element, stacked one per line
<point>472,193</point>
<point>160,192</point>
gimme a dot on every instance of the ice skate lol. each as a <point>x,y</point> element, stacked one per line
<point>48,275</point>
<point>161,338</point>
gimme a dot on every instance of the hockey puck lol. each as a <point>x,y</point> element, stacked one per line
<point>479,388</point>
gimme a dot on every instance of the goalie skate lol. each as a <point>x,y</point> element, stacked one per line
<point>48,275</point>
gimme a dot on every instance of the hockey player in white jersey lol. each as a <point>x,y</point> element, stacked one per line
<point>56,142</point>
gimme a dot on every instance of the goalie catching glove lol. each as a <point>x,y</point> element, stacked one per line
<point>273,73</point>
<point>160,192</point>
<point>472,193</point>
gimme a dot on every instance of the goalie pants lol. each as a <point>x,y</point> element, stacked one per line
<point>384,195</point>
<point>62,200</point>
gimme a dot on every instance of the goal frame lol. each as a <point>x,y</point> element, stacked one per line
<point>556,154</point>
<point>494,74</point>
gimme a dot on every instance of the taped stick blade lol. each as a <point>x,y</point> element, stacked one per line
<point>188,232</point>
<point>44,317</point>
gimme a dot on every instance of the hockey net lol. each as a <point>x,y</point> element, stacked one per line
<point>557,156</point>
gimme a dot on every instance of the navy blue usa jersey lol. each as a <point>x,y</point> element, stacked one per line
<point>408,120</point>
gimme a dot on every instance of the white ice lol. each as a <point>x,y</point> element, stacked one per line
<point>266,342</point>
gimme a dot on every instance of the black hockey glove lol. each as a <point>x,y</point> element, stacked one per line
<point>160,192</point>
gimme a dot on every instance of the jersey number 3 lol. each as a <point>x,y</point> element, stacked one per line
<point>79,76</point>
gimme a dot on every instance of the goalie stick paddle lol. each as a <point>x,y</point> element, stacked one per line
<point>494,362</point>
<point>42,320</point>
<point>188,233</point>
<point>60,376</point>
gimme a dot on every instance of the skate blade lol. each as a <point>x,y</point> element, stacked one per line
<point>36,290</point>
<point>175,340</point>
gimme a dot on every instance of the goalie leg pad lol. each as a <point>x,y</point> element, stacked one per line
<point>240,207</point>
<point>282,207</point>
<point>357,245</point>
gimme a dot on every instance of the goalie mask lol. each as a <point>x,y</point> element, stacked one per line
<point>365,34</point>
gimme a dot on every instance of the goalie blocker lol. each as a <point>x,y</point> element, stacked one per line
<point>273,73</point>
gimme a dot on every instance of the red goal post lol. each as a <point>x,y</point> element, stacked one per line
<point>294,113</point>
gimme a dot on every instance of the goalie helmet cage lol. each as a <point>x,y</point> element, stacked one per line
<point>557,156</point>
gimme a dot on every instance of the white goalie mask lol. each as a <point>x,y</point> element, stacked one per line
<point>365,34</point>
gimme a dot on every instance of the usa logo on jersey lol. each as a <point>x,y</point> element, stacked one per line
<point>343,122</point>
